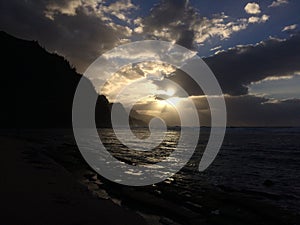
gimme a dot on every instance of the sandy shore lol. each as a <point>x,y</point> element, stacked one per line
<point>36,190</point>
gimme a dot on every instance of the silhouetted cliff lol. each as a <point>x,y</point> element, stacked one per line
<point>37,87</point>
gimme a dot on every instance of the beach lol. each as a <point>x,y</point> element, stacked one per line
<point>51,182</point>
<point>37,190</point>
<point>169,112</point>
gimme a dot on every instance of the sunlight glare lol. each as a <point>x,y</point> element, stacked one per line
<point>174,101</point>
<point>170,92</point>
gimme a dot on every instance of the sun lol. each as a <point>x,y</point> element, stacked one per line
<point>172,102</point>
<point>170,92</point>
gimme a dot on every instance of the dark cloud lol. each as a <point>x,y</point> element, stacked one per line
<point>170,20</point>
<point>249,110</point>
<point>80,38</point>
<point>189,86</point>
<point>238,67</point>
<point>235,69</point>
<point>256,111</point>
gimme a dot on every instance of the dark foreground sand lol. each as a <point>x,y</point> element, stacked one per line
<point>43,192</point>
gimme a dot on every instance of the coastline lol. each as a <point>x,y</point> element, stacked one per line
<point>160,204</point>
<point>37,190</point>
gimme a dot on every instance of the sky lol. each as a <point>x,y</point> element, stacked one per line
<point>253,48</point>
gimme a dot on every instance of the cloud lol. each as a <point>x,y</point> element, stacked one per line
<point>255,19</point>
<point>178,22</point>
<point>220,26</point>
<point>249,110</point>
<point>169,20</point>
<point>216,48</point>
<point>62,7</point>
<point>146,73</point>
<point>79,30</point>
<point>68,8</point>
<point>278,3</point>
<point>290,27</point>
<point>252,8</point>
<point>269,87</point>
<point>240,66</point>
<point>119,9</point>
<point>246,110</point>
<point>273,78</point>
<point>258,111</point>
<point>82,30</point>
<point>236,68</point>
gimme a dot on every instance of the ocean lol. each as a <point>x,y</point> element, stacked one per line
<point>259,161</point>
<point>256,171</point>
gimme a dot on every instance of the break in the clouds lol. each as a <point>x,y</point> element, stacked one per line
<point>278,3</point>
<point>268,87</point>
<point>145,73</point>
<point>252,8</point>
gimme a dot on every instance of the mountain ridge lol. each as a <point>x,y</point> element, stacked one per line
<point>37,87</point>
